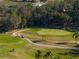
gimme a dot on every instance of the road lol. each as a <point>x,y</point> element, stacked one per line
<point>42,45</point>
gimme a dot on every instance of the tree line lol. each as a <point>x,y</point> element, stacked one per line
<point>47,55</point>
<point>56,14</point>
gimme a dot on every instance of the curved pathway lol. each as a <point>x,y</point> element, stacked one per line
<point>42,45</point>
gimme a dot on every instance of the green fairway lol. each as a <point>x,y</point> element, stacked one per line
<point>48,34</point>
<point>53,32</point>
<point>7,43</point>
<point>8,39</point>
<point>11,42</point>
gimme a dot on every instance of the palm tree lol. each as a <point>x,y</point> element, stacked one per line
<point>37,54</point>
<point>75,36</point>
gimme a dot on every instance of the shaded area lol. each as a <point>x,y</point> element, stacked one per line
<point>72,52</point>
<point>37,41</point>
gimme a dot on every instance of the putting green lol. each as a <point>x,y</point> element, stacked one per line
<point>54,32</point>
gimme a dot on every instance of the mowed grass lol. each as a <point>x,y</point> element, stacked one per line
<point>25,50</point>
<point>8,39</point>
<point>21,48</point>
<point>54,32</point>
<point>48,34</point>
<point>62,53</point>
<point>7,43</point>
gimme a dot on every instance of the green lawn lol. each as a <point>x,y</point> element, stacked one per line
<point>7,43</point>
<point>48,34</point>
<point>54,32</point>
<point>8,39</point>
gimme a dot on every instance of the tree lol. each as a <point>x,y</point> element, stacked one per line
<point>75,51</point>
<point>43,0</point>
<point>13,10</point>
<point>24,14</point>
<point>75,36</point>
<point>37,54</point>
<point>48,55</point>
<point>73,12</point>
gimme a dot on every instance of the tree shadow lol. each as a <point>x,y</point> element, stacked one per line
<point>72,52</point>
<point>61,43</point>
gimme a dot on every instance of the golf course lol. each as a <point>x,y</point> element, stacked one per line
<point>13,47</point>
<point>39,29</point>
